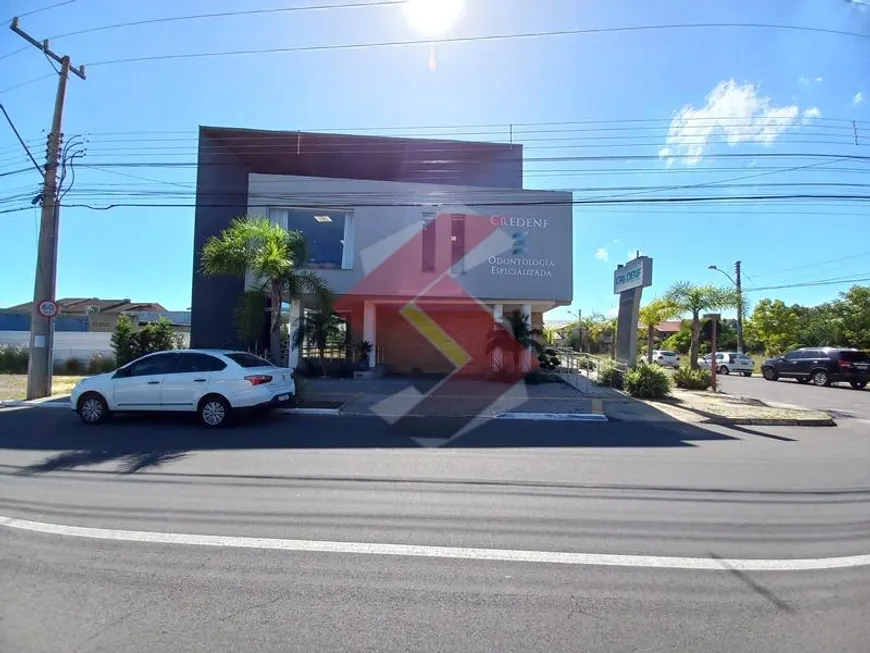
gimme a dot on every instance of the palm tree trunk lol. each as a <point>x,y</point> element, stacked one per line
<point>650,335</point>
<point>275,328</point>
<point>696,337</point>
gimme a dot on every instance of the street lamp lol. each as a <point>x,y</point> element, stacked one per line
<point>739,300</point>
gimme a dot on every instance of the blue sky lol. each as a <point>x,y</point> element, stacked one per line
<point>680,98</point>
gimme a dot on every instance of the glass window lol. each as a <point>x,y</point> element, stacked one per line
<point>854,356</point>
<point>428,240</point>
<point>794,355</point>
<point>328,234</point>
<point>151,365</point>
<point>245,359</point>
<point>198,363</point>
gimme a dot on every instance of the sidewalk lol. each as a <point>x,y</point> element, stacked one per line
<point>467,398</point>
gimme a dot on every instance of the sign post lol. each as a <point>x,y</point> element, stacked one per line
<point>629,280</point>
<point>713,366</point>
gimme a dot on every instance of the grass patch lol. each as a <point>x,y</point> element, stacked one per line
<point>13,387</point>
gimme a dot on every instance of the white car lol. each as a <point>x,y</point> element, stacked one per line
<point>729,361</point>
<point>209,382</point>
<point>666,358</point>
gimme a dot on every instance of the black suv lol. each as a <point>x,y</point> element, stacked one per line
<point>821,365</point>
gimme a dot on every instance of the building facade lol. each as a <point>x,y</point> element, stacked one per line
<point>445,226</point>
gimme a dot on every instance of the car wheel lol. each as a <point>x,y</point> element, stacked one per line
<point>858,385</point>
<point>747,374</point>
<point>723,369</point>
<point>769,374</point>
<point>820,377</point>
<point>214,411</point>
<point>92,408</point>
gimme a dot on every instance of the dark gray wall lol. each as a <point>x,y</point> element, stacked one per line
<point>221,196</point>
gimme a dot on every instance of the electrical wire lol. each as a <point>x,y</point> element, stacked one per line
<point>475,39</point>
<point>223,14</point>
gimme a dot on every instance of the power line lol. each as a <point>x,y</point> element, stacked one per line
<point>223,14</point>
<point>824,282</point>
<point>479,39</point>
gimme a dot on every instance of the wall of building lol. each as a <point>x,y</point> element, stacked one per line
<point>388,219</point>
<point>21,322</point>
<point>221,196</point>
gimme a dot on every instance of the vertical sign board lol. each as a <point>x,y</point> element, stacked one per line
<point>629,280</point>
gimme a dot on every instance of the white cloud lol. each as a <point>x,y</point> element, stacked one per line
<point>615,240</point>
<point>613,311</point>
<point>736,111</point>
<point>601,254</point>
<point>809,114</point>
<point>819,80</point>
<point>859,98</point>
<point>803,81</point>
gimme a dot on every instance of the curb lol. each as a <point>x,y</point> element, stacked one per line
<point>554,417</point>
<point>713,418</point>
<point>331,412</point>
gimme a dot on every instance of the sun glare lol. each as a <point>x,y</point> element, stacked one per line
<point>433,16</point>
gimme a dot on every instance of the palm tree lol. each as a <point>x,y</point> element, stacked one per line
<point>320,328</point>
<point>689,298</point>
<point>515,334</point>
<point>654,313</point>
<point>274,256</point>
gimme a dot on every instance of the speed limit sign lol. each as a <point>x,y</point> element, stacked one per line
<point>47,308</point>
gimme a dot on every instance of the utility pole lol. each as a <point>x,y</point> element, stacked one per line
<point>44,309</point>
<point>739,307</point>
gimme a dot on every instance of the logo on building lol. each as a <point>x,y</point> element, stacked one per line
<point>521,243</point>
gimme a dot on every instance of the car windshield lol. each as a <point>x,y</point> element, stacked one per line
<point>667,353</point>
<point>248,360</point>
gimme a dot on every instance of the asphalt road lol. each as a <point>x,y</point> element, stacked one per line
<point>840,400</point>
<point>670,489</point>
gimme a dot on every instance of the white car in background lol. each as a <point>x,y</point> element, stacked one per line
<point>209,382</point>
<point>728,362</point>
<point>666,358</point>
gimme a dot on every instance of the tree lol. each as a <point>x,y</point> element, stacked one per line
<point>852,311</point>
<point>130,343</point>
<point>275,257</point>
<point>320,329</point>
<point>657,311</point>
<point>516,335</point>
<point>694,299</point>
<point>774,327</point>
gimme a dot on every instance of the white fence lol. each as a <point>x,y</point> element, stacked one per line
<point>82,345</point>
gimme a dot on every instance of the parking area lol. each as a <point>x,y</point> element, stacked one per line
<point>841,401</point>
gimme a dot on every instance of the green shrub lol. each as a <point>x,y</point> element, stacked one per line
<point>689,379</point>
<point>100,364</point>
<point>13,359</point>
<point>71,367</point>
<point>647,382</point>
<point>548,360</point>
<point>610,375</point>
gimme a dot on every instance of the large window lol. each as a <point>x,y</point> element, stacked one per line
<point>328,234</point>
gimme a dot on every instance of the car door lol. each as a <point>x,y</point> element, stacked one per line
<point>138,385</point>
<point>189,380</point>
<point>809,360</point>
<point>790,366</point>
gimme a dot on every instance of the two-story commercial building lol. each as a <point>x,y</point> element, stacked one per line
<point>444,226</point>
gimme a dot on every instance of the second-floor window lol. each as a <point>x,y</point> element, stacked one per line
<point>428,240</point>
<point>328,234</point>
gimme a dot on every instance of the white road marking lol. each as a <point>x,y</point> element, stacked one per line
<point>424,551</point>
<point>554,417</point>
